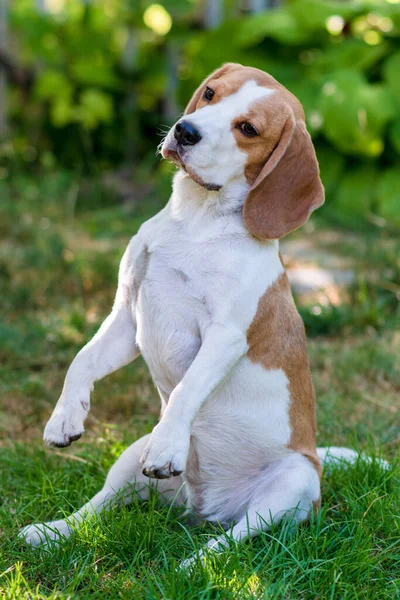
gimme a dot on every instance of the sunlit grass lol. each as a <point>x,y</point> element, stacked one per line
<point>350,550</point>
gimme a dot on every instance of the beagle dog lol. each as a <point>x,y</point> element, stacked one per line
<point>204,297</point>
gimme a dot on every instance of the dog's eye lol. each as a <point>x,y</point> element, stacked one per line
<point>248,129</point>
<point>208,94</point>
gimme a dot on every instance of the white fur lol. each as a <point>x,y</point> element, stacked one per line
<point>334,454</point>
<point>189,286</point>
<point>286,491</point>
<point>345,456</point>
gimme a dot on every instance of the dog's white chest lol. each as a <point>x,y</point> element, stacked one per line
<point>170,315</point>
<point>177,285</point>
<point>183,278</point>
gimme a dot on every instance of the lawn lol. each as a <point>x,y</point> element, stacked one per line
<point>58,270</point>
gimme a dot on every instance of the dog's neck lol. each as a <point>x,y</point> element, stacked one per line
<point>192,202</point>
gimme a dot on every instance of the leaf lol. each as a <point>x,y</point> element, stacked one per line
<point>308,91</point>
<point>61,112</point>
<point>52,84</point>
<point>95,73</point>
<point>313,14</point>
<point>355,192</point>
<point>278,24</point>
<point>356,112</point>
<point>394,134</point>
<point>331,165</point>
<point>94,107</point>
<point>388,195</point>
<point>391,71</point>
<point>349,54</point>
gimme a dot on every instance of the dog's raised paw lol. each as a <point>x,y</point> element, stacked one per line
<point>65,425</point>
<point>62,430</point>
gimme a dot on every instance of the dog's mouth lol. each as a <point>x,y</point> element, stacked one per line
<point>171,152</point>
<point>174,154</point>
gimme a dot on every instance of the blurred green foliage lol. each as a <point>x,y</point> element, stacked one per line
<point>107,76</point>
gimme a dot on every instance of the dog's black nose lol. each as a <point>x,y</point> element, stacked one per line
<point>186,134</point>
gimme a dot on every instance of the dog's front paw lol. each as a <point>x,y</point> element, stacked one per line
<point>66,423</point>
<point>166,452</point>
<point>44,534</point>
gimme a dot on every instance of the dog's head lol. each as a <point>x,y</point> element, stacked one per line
<point>242,125</point>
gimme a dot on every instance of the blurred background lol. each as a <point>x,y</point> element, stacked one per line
<point>88,89</point>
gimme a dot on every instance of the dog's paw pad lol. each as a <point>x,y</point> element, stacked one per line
<point>161,472</point>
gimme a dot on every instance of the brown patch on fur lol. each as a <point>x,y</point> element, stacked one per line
<point>230,78</point>
<point>288,187</point>
<point>277,340</point>
<point>316,505</point>
<point>268,115</point>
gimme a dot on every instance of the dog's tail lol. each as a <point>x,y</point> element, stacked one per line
<point>345,456</point>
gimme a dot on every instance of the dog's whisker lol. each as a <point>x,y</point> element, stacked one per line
<point>160,146</point>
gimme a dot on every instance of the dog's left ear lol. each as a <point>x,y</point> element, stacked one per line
<point>288,188</point>
<point>191,107</point>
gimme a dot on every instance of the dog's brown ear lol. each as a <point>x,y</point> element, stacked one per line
<point>191,107</point>
<point>288,188</point>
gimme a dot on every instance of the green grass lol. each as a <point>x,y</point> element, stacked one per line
<point>58,268</point>
<point>350,550</point>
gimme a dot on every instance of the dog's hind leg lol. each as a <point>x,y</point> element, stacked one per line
<point>289,489</point>
<point>123,482</point>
